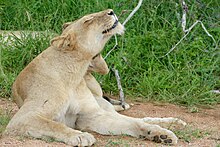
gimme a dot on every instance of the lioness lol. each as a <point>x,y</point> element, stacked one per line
<point>98,65</point>
<point>59,104</point>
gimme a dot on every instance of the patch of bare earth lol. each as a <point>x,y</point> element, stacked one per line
<point>206,121</point>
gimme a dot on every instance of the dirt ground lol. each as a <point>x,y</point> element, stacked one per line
<point>203,129</point>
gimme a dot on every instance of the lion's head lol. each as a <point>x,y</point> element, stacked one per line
<point>89,33</point>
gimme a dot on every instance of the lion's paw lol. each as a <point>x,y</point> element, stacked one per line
<point>166,137</point>
<point>83,139</point>
<point>159,135</point>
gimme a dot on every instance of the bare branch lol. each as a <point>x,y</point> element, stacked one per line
<point>121,93</point>
<point>185,10</point>
<point>208,33</point>
<point>133,12</point>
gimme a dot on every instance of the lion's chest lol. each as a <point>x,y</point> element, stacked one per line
<point>72,111</point>
<point>68,114</point>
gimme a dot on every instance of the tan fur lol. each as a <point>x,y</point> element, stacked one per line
<point>98,65</point>
<point>58,102</point>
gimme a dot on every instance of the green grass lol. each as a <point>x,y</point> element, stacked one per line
<point>118,142</point>
<point>183,77</point>
<point>4,119</point>
<point>188,134</point>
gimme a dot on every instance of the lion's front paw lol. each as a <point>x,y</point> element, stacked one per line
<point>83,139</point>
<point>159,135</point>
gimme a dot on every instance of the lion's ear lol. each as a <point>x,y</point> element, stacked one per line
<point>88,19</point>
<point>65,42</point>
<point>65,25</point>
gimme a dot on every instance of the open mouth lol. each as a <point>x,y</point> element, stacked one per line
<point>109,29</point>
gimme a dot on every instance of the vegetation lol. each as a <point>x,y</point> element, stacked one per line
<point>189,133</point>
<point>4,119</point>
<point>186,76</point>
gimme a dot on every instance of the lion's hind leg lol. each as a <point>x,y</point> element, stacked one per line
<point>168,122</point>
<point>38,126</point>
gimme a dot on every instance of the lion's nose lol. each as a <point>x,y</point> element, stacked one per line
<point>111,13</point>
